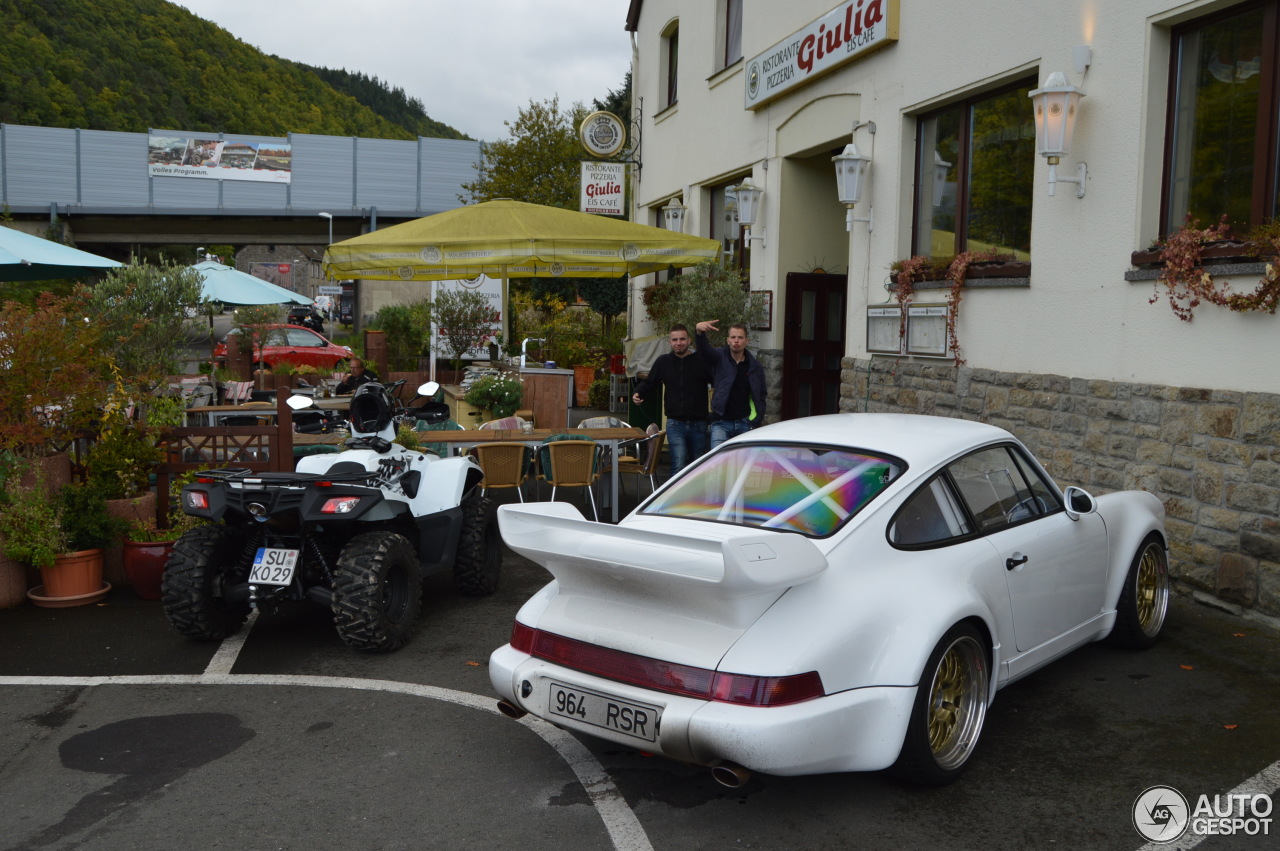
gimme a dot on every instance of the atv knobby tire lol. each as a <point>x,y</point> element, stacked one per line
<point>478,563</point>
<point>377,591</point>
<point>194,577</point>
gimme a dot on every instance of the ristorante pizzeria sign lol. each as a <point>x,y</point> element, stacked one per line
<point>849,31</point>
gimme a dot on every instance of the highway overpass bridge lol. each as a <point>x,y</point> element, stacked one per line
<point>116,192</point>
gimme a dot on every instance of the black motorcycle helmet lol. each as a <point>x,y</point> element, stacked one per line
<point>370,408</point>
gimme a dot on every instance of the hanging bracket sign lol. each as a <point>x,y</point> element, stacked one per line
<point>602,188</point>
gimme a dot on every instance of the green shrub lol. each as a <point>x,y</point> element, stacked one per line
<point>598,393</point>
<point>497,393</point>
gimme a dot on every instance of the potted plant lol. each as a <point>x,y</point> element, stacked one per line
<point>119,465</point>
<point>147,546</point>
<point>500,395</point>
<point>62,537</point>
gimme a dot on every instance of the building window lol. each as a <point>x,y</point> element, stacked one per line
<point>724,223</point>
<point>670,63</point>
<point>731,26</point>
<point>975,164</point>
<point>1222,155</point>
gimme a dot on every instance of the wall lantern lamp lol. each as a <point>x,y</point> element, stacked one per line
<point>673,215</point>
<point>749,195</point>
<point>1056,104</point>
<point>851,172</point>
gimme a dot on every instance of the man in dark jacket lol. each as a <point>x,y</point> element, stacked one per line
<point>684,377</point>
<point>356,377</point>
<point>737,381</point>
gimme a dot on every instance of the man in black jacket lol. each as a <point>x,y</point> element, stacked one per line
<point>737,379</point>
<point>685,377</point>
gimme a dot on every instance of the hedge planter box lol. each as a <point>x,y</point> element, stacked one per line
<point>986,269</point>
<point>1225,251</point>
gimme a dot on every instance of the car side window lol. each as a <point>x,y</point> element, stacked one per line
<point>994,487</point>
<point>1044,499</point>
<point>931,516</point>
<point>299,337</point>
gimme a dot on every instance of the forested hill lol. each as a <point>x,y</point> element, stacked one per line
<point>132,65</point>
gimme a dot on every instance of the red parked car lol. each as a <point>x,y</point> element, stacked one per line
<point>300,346</point>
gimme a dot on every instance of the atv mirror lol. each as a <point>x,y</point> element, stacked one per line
<point>431,388</point>
<point>297,401</point>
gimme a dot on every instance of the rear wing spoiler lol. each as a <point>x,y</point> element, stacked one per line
<point>711,576</point>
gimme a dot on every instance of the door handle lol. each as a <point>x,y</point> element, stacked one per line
<point>1017,559</point>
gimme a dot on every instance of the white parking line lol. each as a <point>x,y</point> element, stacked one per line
<point>624,828</point>
<point>1265,782</point>
<point>229,650</point>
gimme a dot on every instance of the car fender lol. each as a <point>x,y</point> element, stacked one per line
<point>874,621</point>
<point>1130,516</point>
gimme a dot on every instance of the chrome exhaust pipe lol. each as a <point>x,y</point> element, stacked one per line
<point>510,710</point>
<point>730,774</point>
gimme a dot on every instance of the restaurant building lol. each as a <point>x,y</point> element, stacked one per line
<point>1044,145</point>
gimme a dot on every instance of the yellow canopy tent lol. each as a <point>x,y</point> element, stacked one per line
<point>504,239</point>
<point>513,239</point>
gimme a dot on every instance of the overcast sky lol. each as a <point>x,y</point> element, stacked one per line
<point>473,63</point>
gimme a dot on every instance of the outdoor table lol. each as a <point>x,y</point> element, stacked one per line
<point>213,414</point>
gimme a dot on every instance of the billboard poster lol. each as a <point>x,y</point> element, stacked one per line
<point>602,188</point>
<point>219,159</point>
<point>280,274</point>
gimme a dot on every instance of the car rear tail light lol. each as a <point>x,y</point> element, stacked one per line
<point>197,500</point>
<point>340,505</point>
<point>686,680</point>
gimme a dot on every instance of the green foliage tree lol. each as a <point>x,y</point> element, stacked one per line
<point>463,318</point>
<point>142,310</point>
<point>408,331</point>
<point>538,164</point>
<point>254,322</point>
<point>131,65</point>
<point>707,291</point>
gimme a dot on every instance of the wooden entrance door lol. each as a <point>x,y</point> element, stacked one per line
<point>812,344</point>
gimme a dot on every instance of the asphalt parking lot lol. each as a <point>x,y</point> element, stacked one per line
<point>116,732</point>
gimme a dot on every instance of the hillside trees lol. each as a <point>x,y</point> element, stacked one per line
<point>131,65</point>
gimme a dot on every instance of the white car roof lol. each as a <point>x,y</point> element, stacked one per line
<point>912,437</point>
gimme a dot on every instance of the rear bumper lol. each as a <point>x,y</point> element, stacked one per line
<point>856,730</point>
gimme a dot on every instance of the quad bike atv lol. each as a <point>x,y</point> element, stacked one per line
<point>356,531</point>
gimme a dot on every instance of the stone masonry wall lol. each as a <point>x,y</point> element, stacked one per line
<point>1212,456</point>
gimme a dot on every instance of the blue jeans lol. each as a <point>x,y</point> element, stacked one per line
<point>722,430</point>
<point>687,439</point>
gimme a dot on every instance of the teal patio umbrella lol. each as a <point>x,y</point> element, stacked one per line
<point>24,257</point>
<point>231,286</point>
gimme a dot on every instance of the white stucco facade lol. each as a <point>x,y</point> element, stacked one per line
<point>1078,317</point>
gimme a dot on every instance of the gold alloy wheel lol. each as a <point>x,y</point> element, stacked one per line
<point>1151,594</point>
<point>958,702</point>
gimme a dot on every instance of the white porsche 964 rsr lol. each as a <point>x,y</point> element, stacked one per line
<point>833,593</point>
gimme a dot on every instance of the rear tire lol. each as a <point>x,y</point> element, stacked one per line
<point>1144,599</point>
<point>477,566</point>
<point>199,568</point>
<point>949,710</point>
<point>377,592</point>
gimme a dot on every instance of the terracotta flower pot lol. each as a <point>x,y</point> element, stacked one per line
<point>75,579</point>
<point>144,563</point>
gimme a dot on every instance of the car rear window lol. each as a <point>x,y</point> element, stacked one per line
<point>812,490</point>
